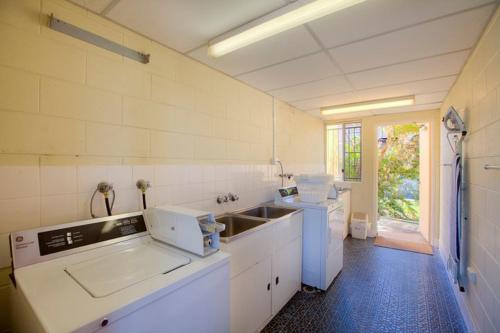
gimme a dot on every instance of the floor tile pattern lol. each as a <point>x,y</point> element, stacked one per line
<point>378,290</point>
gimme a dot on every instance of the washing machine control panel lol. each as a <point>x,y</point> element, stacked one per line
<point>46,243</point>
<point>68,238</point>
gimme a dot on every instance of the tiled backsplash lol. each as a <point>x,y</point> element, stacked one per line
<point>33,196</point>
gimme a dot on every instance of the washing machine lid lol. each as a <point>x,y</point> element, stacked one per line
<point>111,273</point>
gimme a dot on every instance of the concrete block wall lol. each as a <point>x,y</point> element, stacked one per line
<point>476,95</point>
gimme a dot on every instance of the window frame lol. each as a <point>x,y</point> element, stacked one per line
<point>344,125</point>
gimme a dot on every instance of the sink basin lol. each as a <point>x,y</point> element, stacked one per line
<point>267,212</point>
<point>237,225</point>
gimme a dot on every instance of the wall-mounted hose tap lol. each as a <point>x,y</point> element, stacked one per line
<point>143,186</point>
<point>105,189</point>
<point>222,199</point>
<point>233,197</point>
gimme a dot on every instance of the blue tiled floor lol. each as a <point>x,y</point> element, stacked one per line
<point>379,290</point>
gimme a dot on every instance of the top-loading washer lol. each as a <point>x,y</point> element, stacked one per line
<point>110,275</point>
<point>322,237</point>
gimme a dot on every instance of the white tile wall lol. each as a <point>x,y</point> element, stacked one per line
<point>39,196</point>
<point>58,180</point>
<point>26,184</point>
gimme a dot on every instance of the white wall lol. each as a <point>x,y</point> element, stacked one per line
<point>476,94</point>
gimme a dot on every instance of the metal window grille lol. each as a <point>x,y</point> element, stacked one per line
<point>352,152</point>
<point>344,151</point>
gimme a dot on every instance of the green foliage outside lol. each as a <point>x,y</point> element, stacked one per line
<point>352,149</point>
<point>399,165</point>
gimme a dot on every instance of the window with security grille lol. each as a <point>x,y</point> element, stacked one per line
<point>343,142</point>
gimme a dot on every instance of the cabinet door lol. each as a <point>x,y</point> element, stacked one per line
<point>251,298</point>
<point>286,230</point>
<point>287,269</point>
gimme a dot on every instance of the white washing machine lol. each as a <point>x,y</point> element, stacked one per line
<point>110,275</point>
<point>322,237</point>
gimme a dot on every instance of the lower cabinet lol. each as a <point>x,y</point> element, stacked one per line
<point>286,273</point>
<point>251,298</point>
<point>268,279</point>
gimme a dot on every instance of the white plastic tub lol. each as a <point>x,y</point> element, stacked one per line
<point>359,225</point>
<point>313,188</point>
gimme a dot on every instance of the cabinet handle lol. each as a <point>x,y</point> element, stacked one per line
<point>268,286</point>
<point>277,280</point>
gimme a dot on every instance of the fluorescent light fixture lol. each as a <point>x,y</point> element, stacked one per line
<point>274,26</point>
<point>369,105</point>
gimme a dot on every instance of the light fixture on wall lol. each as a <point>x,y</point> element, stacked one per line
<point>368,105</point>
<point>277,24</point>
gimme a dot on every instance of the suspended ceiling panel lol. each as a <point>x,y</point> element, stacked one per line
<point>422,69</point>
<point>291,44</point>
<point>442,84</point>
<point>376,49</point>
<point>97,6</point>
<point>187,24</point>
<point>305,69</point>
<point>376,17</point>
<point>424,40</point>
<point>328,86</point>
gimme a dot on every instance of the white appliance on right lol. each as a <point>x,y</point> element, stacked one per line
<point>322,236</point>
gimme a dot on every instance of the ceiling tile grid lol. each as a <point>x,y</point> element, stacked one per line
<point>331,85</point>
<point>418,87</point>
<point>373,50</point>
<point>305,69</point>
<point>291,44</point>
<point>443,65</point>
<point>375,17</point>
<point>421,41</point>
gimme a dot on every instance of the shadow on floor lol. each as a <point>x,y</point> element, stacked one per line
<point>379,290</point>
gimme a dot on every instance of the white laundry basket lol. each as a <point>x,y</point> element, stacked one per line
<point>314,187</point>
<point>359,225</point>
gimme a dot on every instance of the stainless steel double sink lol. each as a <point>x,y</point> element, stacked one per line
<point>241,222</point>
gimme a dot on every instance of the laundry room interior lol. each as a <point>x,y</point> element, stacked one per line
<point>249,166</point>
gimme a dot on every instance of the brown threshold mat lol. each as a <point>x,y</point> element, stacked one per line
<point>403,245</point>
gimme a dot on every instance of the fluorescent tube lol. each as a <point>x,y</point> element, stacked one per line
<point>369,105</point>
<point>287,21</point>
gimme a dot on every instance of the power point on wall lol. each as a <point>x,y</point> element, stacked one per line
<point>472,275</point>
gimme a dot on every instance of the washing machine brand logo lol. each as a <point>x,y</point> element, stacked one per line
<point>19,239</point>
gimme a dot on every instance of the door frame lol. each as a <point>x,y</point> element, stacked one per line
<point>431,223</point>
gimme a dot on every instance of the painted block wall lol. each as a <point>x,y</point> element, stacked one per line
<point>476,95</point>
<point>72,115</point>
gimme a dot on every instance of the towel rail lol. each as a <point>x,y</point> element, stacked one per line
<point>491,167</point>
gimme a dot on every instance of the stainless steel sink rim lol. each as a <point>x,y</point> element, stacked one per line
<point>268,209</point>
<point>238,214</point>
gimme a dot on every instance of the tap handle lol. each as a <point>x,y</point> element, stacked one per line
<point>222,198</point>
<point>233,197</point>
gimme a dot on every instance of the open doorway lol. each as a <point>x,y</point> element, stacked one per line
<point>403,187</point>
